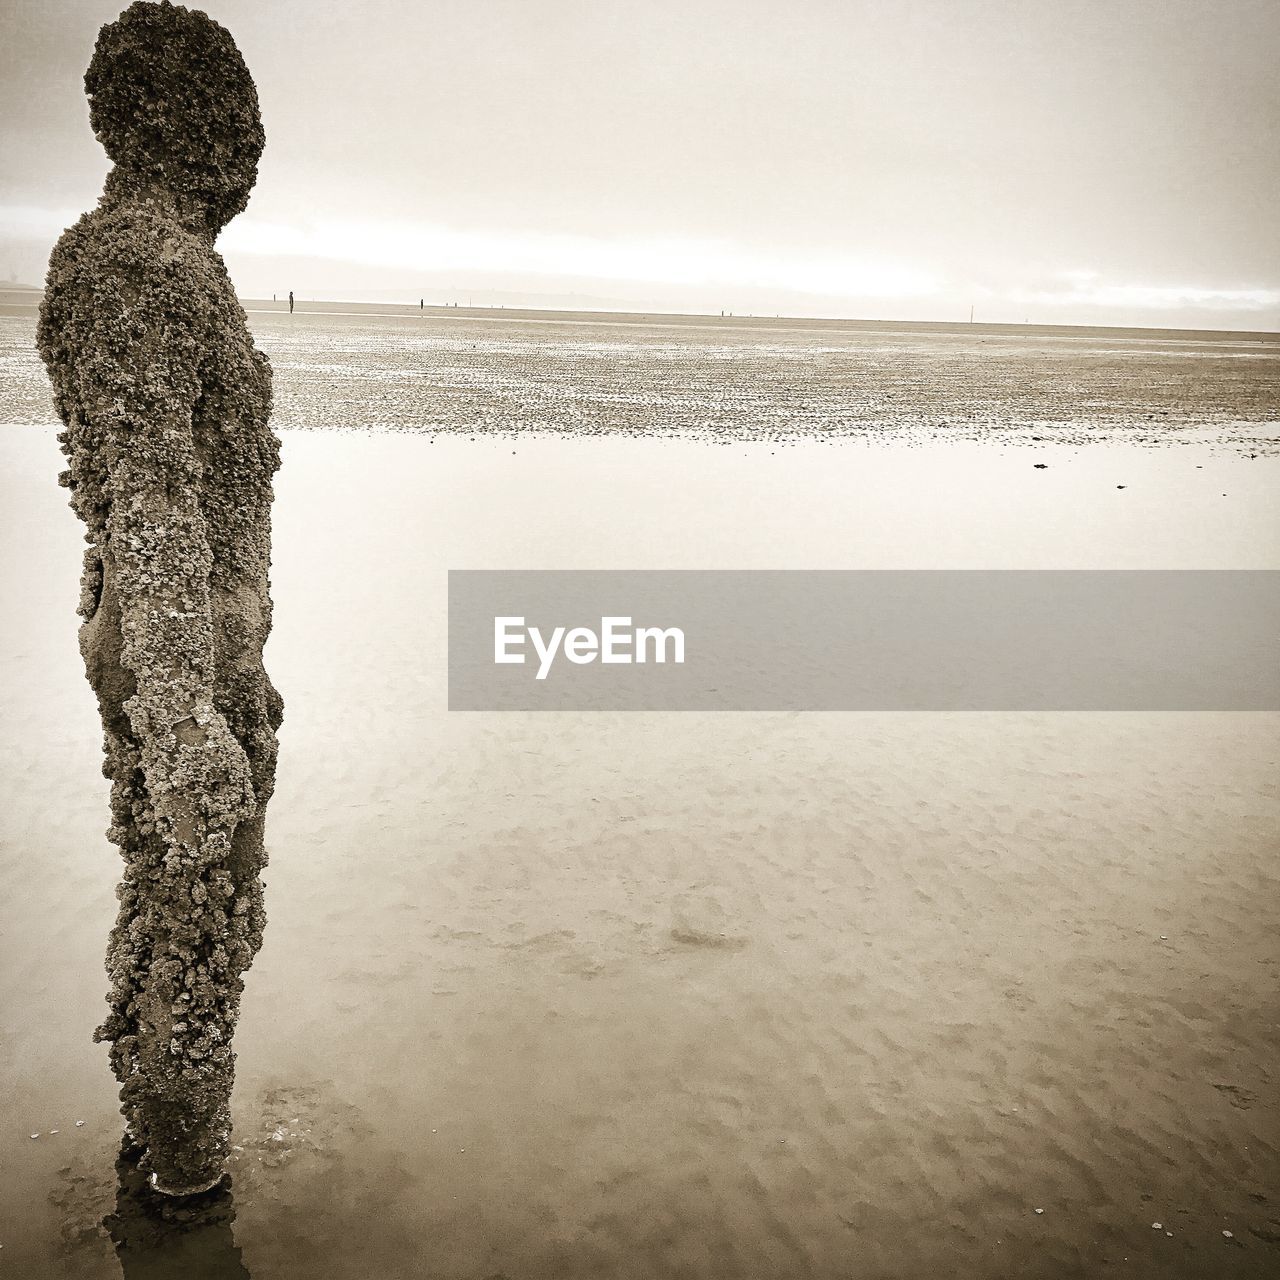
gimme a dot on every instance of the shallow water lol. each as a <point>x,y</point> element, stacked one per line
<point>682,995</point>
<point>677,995</point>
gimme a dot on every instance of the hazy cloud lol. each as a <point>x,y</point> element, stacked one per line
<point>845,157</point>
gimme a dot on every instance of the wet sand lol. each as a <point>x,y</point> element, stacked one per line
<point>696,377</point>
<point>680,995</point>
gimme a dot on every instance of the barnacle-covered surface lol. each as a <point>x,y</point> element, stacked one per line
<point>165,403</point>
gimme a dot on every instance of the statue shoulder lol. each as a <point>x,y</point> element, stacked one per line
<point>128,287</point>
<point>124,258</point>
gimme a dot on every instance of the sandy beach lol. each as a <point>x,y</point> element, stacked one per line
<point>687,995</point>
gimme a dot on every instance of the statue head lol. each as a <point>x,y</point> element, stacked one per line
<point>173,104</point>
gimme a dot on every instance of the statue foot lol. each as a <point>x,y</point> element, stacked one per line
<point>185,1191</point>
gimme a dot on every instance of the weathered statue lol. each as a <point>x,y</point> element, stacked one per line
<point>166,402</point>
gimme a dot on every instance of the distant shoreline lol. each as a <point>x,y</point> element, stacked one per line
<point>18,299</point>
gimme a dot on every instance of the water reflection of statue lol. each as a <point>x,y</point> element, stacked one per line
<point>166,402</point>
<point>157,1238</point>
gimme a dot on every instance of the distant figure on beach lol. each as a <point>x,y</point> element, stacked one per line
<point>291,302</point>
<point>422,302</point>
<point>166,405</point>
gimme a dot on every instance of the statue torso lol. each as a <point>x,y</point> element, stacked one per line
<point>141,323</point>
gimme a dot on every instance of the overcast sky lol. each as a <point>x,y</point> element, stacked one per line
<point>1112,161</point>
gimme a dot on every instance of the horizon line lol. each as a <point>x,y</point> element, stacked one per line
<point>501,310</point>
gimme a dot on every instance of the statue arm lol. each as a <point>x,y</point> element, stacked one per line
<point>139,377</point>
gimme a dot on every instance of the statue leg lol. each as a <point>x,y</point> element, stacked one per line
<point>159,957</point>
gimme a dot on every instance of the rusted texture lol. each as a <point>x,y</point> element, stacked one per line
<point>166,406</point>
